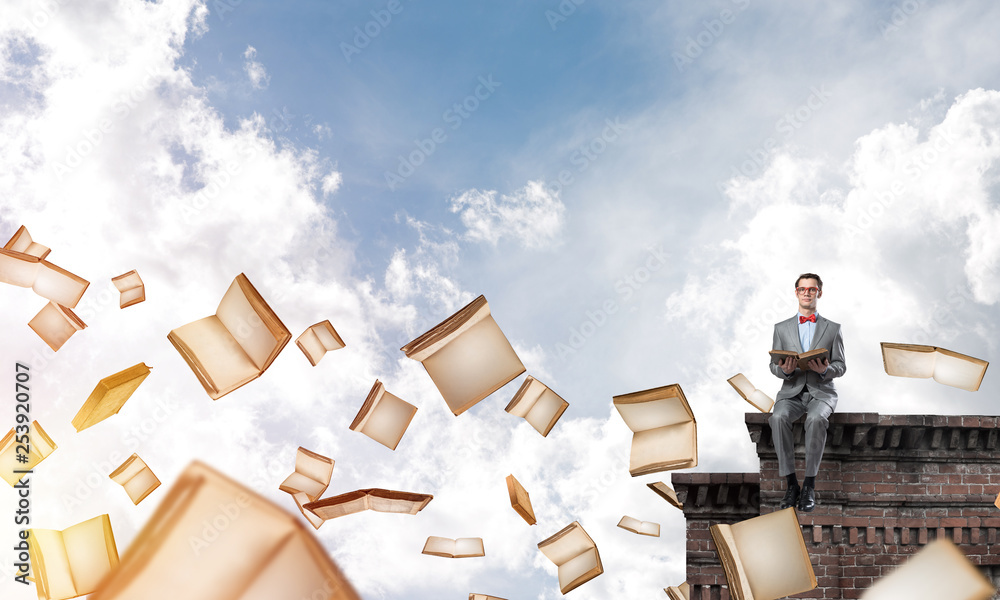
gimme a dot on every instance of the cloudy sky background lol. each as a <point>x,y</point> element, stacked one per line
<point>634,189</point>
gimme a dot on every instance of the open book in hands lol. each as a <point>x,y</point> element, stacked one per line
<point>803,357</point>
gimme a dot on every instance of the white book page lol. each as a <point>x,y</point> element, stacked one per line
<point>57,575</point>
<point>773,555</point>
<point>653,414</point>
<point>939,570</point>
<point>908,363</point>
<point>544,408</point>
<point>469,547</point>
<point>574,568</point>
<point>473,365</point>
<point>87,550</point>
<point>958,372</point>
<point>673,443</point>
<point>224,361</point>
<point>245,325</point>
<point>569,546</point>
<point>388,420</point>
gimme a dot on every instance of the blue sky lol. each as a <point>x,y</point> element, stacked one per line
<point>709,152</point>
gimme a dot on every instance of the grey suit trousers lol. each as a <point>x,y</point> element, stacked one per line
<point>786,411</point>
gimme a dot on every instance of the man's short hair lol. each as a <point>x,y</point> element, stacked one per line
<point>819,282</point>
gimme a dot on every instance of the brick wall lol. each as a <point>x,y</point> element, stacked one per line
<point>888,485</point>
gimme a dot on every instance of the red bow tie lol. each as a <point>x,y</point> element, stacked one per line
<point>811,317</point>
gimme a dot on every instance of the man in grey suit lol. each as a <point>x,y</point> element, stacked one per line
<point>807,392</point>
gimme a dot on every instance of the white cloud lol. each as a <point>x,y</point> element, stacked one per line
<point>331,183</point>
<point>255,70</point>
<point>908,252</point>
<point>533,215</point>
<point>114,158</point>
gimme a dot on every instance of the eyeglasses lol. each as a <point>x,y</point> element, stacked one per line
<point>808,290</point>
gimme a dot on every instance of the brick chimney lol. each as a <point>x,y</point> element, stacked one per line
<point>888,485</point>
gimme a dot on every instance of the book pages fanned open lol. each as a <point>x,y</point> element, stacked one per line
<point>538,405</point>
<point>755,397</point>
<point>575,555</point>
<point>74,561</point>
<point>311,476</point>
<point>384,417</point>
<point>110,395</point>
<point>939,570</point>
<point>641,527</point>
<point>55,324</point>
<point>457,548</point>
<point>376,499</point>
<point>131,288</point>
<point>39,447</point>
<point>137,478</point>
<point>519,500</point>
<point>679,592</point>
<point>944,366</point>
<point>666,492</point>
<point>765,558</point>
<point>21,242</point>
<point>317,340</point>
<point>665,434</point>
<point>212,538</point>
<point>484,597</point>
<point>467,356</point>
<point>235,345</point>
<point>44,278</point>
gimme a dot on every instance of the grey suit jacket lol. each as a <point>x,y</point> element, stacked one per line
<point>827,335</point>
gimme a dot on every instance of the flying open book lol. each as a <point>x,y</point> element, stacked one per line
<point>939,570</point>
<point>803,357</point>
<point>137,479</point>
<point>641,527</point>
<point>484,597</point>
<point>384,417</point>
<point>317,340</point>
<point>755,397</point>
<point>131,288</point>
<point>46,279</point>
<point>110,396</point>
<point>72,562</point>
<point>21,242</point>
<point>55,324</point>
<point>235,345</point>
<point>765,558</point>
<point>300,501</point>
<point>458,548</point>
<point>538,405</point>
<point>466,356</point>
<point>379,500</point>
<point>212,538</point>
<point>665,435</point>
<point>679,592</point>
<point>575,554</point>
<point>311,476</point>
<point>666,492</point>
<point>945,366</point>
<point>39,447</point>
<point>519,500</point>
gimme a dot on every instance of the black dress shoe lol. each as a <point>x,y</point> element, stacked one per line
<point>807,501</point>
<point>791,497</point>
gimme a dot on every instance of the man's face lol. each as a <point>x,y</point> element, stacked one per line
<point>808,293</point>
